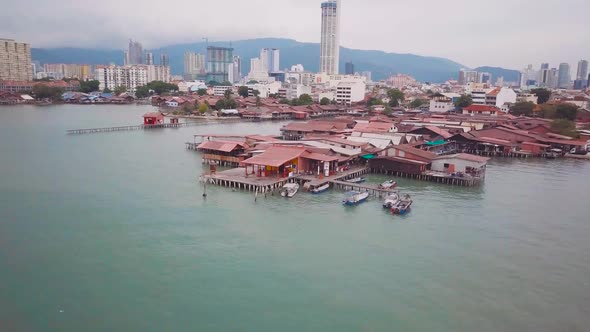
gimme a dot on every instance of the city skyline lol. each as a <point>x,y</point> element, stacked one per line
<point>562,37</point>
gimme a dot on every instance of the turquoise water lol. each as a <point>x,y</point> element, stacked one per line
<point>109,232</point>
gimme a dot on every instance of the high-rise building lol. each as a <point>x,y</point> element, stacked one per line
<point>69,70</point>
<point>564,79</point>
<point>582,70</point>
<point>164,60</point>
<point>484,78</point>
<point>149,58</point>
<point>468,76</point>
<point>131,77</point>
<point>270,58</point>
<point>368,75</point>
<point>553,78</point>
<point>544,66</point>
<point>237,69</point>
<point>15,61</point>
<point>258,70</point>
<point>330,39</point>
<point>219,60</point>
<point>194,65</point>
<point>349,68</point>
<point>135,53</point>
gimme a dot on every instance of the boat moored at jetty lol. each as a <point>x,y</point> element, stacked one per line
<point>403,206</point>
<point>391,200</point>
<point>356,180</point>
<point>289,190</point>
<point>320,189</point>
<point>355,197</point>
<point>389,184</point>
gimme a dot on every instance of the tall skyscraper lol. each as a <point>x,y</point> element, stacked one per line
<point>135,53</point>
<point>564,77</point>
<point>349,68</point>
<point>149,58</point>
<point>164,59</point>
<point>218,61</point>
<point>270,58</point>
<point>237,69</point>
<point>582,70</point>
<point>330,39</point>
<point>553,81</point>
<point>468,76</point>
<point>544,66</point>
<point>194,65</point>
<point>15,61</point>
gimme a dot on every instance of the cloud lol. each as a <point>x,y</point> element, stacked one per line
<point>502,33</point>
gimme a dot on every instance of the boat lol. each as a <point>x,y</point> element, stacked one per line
<point>289,190</point>
<point>403,206</point>
<point>391,200</point>
<point>320,189</point>
<point>389,184</point>
<point>553,153</point>
<point>357,180</point>
<point>355,197</point>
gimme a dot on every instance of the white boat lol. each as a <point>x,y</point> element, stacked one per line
<point>389,184</point>
<point>355,197</point>
<point>320,189</point>
<point>289,190</point>
<point>391,200</point>
<point>356,180</point>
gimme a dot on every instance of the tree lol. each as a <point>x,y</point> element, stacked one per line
<point>283,101</point>
<point>89,86</point>
<point>325,101</point>
<point>243,91</point>
<point>464,101</point>
<point>417,103</point>
<point>256,93</point>
<point>188,108</point>
<point>566,111</point>
<point>203,108</point>
<point>120,89</point>
<point>547,111</point>
<point>522,108</point>
<point>374,101</point>
<point>395,96</point>
<point>258,102</point>
<point>295,102</point>
<point>387,111</point>
<point>305,99</point>
<point>226,83</point>
<point>107,90</point>
<point>543,95</point>
<point>202,92</point>
<point>252,82</point>
<point>564,127</point>
<point>42,91</point>
<point>213,83</point>
<point>227,94</point>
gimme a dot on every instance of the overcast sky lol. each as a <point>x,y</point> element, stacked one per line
<point>507,33</point>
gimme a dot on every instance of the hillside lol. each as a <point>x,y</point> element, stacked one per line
<point>381,64</point>
<point>508,74</point>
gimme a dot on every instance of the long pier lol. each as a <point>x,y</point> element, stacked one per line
<point>124,128</point>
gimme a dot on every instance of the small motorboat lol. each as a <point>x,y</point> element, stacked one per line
<point>403,206</point>
<point>320,189</point>
<point>391,200</point>
<point>355,197</point>
<point>389,184</point>
<point>289,190</point>
<point>356,180</point>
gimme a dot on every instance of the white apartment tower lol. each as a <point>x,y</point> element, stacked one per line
<point>194,64</point>
<point>15,61</point>
<point>330,41</point>
<point>270,57</point>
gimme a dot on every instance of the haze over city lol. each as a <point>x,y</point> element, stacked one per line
<point>505,33</point>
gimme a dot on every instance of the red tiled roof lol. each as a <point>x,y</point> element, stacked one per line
<point>275,156</point>
<point>415,151</point>
<point>153,115</point>
<point>481,108</point>
<point>319,156</point>
<point>221,146</point>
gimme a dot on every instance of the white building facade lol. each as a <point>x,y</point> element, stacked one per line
<point>130,77</point>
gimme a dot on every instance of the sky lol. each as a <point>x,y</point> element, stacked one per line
<point>503,33</point>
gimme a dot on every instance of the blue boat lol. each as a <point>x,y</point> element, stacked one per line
<point>355,197</point>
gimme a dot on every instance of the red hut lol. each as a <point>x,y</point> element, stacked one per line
<point>153,118</point>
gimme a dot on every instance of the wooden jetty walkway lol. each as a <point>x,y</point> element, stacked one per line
<point>125,128</point>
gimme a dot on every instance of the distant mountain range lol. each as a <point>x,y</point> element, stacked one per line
<point>381,64</point>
